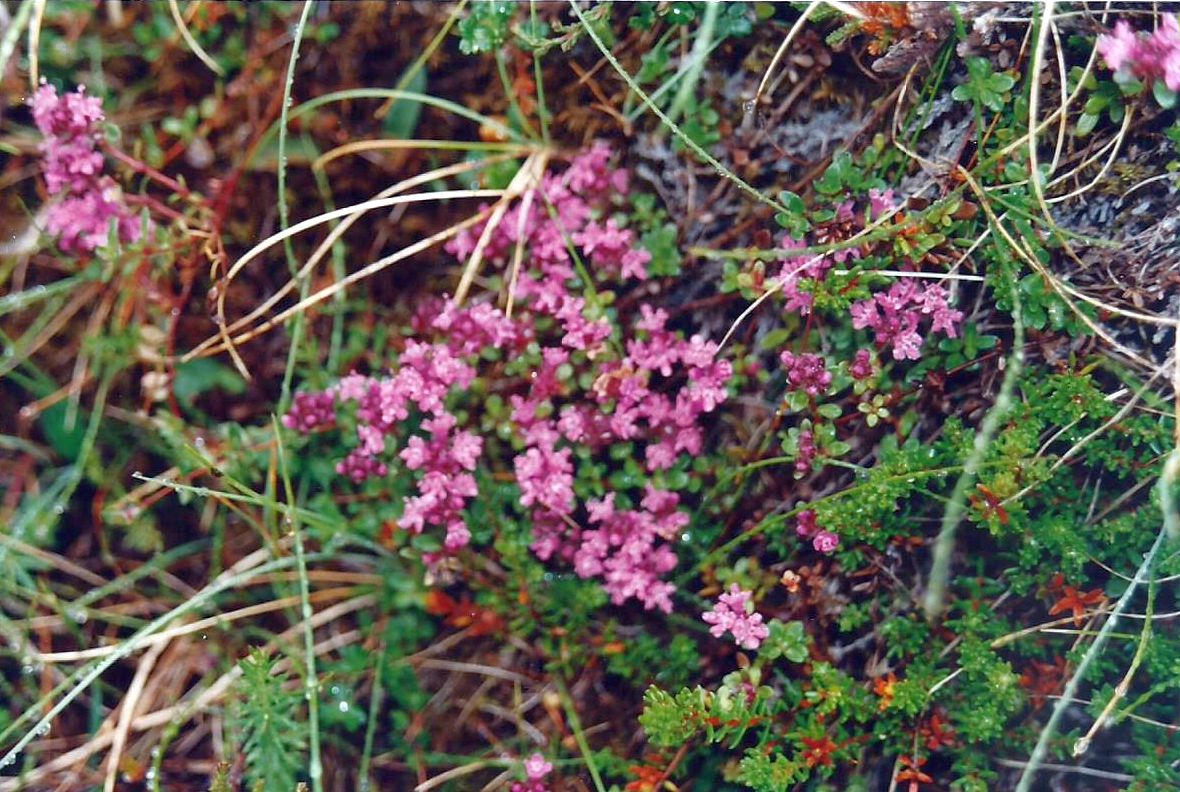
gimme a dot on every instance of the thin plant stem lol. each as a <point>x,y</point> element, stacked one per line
<point>1143,574</point>
<point>12,34</point>
<point>339,272</point>
<point>375,699</point>
<point>542,110</point>
<point>945,543</point>
<point>76,683</point>
<point>579,735</point>
<point>513,104</point>
<point>284,210</point>
<point>420,62</point>
<point>311,682</point>
<point>192,43</point>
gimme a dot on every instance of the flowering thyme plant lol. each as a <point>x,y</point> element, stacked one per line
<point>88,201</point>
<point>576,390</point>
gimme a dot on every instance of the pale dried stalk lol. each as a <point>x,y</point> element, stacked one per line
<point>192,43</point>
<point>312,222</point>
<point>782,50</point>
<point>525,179</point>
<point>518,254</point>
<point>329,291</point>
<point>360,146</point>
<point>127,712</point>
<point>211,622</point>
<point>204,700</point>
<point>341,228</point>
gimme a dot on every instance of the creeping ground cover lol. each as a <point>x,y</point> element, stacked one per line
<point>627,397</point>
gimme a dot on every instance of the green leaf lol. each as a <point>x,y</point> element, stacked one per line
<point>775,339</point>
<point>402,118</point>
<point>830,411</point>
<point>797,400</point>
<point>983,85</point>
<point>203,375</point>
<point>652,66</point>
<point>785,640</point>
<point>662,243</point>
<point>1165,96</point>
<point>1086,124</point>
<point>66,441</point>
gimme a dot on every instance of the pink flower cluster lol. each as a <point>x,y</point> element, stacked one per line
<point>805,452</point>
<point>445,457</point>
<point>89,201</point>
<point>807,528</point>
<point>577,195</point>
<point>311,411</point>
<point>582,393</point>
<point>627,548</point>
<point>734,613</point>
<point>861,367</point>
<point>806,372</point>
<point>536,768</point>
<point>1149,57</point>
<point>881,202</point>
<point>797,270</point>
<point>894,316</point>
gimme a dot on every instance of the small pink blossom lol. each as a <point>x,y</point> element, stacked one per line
<point>825,542</point>
<point>734,613</point>
<point>310,411</point>
<point>881,203</point>
<point>806,372</point>
<point>805,524</point>
<point>861,367</point>
<point>1148,57</point>
<point>806,453</point>
<point>1119,47</point>
<point>89,202</point>
<point>535,767</point>
<point>895,315</point>
<point>545,477</point>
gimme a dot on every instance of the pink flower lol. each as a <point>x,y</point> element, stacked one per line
<point>536,768</point>
<point>880,203</point>
<point>1149,57</point>
<point>545,477</point>
<point>825,542</point>
<point>69,116</point>
<point>359,466</point>
<point>806,453</point>
<point>894,316</point>
<point>612,249</point>
<point>806,372</point>
<point>861,367</point>
<point>310,411</point>
<point>90,202</point>
<point>1119,47</point>
<point>734,613</point>
<point>805,523</point>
